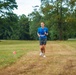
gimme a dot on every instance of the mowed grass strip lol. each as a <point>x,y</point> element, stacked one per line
<point>60,60</point>
<point>7,49</point>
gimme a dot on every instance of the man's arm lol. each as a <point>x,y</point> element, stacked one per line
<point>46,33</point>
<point>38,34</point>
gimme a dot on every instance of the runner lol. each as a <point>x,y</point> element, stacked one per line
<point>42,34</point>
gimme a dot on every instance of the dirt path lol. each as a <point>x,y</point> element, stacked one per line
<point>60,60</point>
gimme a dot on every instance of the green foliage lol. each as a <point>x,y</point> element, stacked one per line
<point>9,27</point>
<point>23,27</point>
<point>8,20</point>
<point>58,15</point>
<point>34,24</point>
<point>7,6</point>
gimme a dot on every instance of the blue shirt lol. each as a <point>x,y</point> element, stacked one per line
<point>41,31</point>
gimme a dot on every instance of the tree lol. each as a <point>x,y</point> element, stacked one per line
<point>23,27</point>
<point>9,27</point>
<point>8,19</point>
<point>56,13</point>
<point>7,6</point>
<point>35,18</point>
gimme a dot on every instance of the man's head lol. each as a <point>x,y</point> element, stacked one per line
<point>42,24</point>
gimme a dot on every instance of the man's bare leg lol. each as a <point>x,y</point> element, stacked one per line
<point>44,50</point>
<point>41,48</point>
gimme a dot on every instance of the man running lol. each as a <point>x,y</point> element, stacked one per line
<point>42,34</point>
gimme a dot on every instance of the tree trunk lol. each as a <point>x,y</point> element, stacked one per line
<point>59,12</point>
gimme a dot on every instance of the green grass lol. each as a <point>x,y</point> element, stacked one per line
<point>21,47</point>
<point>8,47</point>
<point>60,58</point>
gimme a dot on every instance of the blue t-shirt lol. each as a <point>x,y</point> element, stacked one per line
<point>41,31</point>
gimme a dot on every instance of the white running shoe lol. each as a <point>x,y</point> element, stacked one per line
<point>41,54</point>
<point>44,56</point>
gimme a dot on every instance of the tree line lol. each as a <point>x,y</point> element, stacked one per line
<point>58,15</point>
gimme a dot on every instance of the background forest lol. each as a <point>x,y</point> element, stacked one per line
<point>59,16</point>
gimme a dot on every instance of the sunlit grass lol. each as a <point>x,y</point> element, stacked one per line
<point>60,58</point>
<point>20,47</point>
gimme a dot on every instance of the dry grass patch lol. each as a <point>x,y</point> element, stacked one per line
<point>60,60</point>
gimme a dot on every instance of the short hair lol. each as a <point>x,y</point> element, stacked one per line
<point>43,22</point>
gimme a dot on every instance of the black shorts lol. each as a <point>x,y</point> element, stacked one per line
<point>43,41</point>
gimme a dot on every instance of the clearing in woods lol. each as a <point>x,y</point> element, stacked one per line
<point>60,58</point>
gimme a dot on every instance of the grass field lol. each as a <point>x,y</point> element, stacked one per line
<point>60,58</point>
